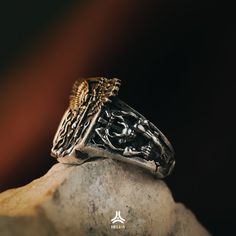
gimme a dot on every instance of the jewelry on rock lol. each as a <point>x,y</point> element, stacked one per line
<point>97,124</point>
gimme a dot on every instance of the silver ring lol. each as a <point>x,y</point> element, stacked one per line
<point>97,124</point>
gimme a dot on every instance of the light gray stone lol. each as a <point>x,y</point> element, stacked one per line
<point>82,200</point>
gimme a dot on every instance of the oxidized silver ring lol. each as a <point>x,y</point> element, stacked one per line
<point>97,124</point>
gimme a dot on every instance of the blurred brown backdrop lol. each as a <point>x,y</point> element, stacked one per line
<point>176,60</point>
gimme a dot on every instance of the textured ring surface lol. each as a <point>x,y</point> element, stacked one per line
<point>98,124</point>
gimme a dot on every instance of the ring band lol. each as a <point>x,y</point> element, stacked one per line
<point>98,124</point>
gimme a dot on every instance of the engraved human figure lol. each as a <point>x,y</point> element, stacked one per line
<point>129,133</point>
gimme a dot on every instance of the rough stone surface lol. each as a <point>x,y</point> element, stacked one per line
<point>82,200</point>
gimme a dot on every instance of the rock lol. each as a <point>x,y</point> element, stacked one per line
<point>82,200</point>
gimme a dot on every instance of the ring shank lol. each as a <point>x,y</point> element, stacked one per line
<point>116,131</point>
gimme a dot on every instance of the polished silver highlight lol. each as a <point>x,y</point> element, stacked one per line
<point>98,124</point>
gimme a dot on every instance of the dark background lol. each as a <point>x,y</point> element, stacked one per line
<point>177,63</point>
